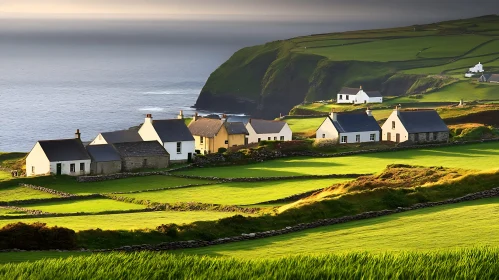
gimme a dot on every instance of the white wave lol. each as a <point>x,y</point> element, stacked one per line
<point>152,109</point>
<point>171,92</point>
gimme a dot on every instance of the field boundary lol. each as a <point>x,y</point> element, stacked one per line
<point>269,179</point>
<point>53,215</point>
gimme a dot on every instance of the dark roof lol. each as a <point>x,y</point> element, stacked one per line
<point>122,136</point>
<point>205,127</point>
<point>349,91</point>
<point>64,150</point>
<point>264,126</point>
<point>213,116</point>
<point>102,153</point>
<point>355,122</point>
<point>422,121</point>
<point>236,128</point>
<point>140,149</point>
<point>373,93</point>
<point>493,78</point>
<point>172,130</point>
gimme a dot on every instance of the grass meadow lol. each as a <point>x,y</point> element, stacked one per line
<point>237,193</point>
<point>463,225</point>
<point>128,221</point>
<point>10,212</point>
<point>478,156</point>
<point>478,263</point>
<point>22,193</point>
<point>87,206</point>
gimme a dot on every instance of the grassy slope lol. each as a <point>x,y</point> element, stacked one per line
<point>462,225</point>
<point>128,221</point>
<point>237,193</point>
<point>22,193</point>
<point>87,206</point>
<point>483,156</point>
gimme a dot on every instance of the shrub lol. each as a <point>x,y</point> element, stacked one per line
<point>222,150</point>
<point>324,144</point>
<point>170,230</point>
<point>395,198</point>
<point>36,236</point>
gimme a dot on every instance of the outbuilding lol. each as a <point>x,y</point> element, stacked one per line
<point>142,155</point>
<point>105,159</point>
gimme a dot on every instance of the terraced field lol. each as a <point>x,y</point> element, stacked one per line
<point>87,206</point>
<point>22,193</point>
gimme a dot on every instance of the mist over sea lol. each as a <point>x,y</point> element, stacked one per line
<point>60,75</point>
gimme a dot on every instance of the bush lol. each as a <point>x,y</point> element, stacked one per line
<point>324,144</point>
<point>170,230</point>
<point>36,236</point>
<point>222,150</point>
<point>395,198</point>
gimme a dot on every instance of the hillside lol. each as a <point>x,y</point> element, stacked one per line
<point>270,79</point>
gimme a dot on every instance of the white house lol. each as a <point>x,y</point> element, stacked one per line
<point>119,136</point>
<point>350,128</point>
<point>59,157</point>
<point>421,126</point>
<point>268,130</point>
<point>358,96</point>
<point>474,70</point>
<point>172,134</point>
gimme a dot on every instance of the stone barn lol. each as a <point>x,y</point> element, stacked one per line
<point>142,155</point>
<point>105,159</point>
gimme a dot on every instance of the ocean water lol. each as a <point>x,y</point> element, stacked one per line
<point>57,76</point>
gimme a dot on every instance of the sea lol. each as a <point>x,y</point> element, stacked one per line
<point>57,76</point>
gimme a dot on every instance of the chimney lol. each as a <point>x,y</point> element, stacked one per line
<point>224,118</point>
<point>180,115</point>
<point>397,109</point>
<point>334,115</point>
<point>369,112</point>
<point>78,134</point>
<point>196,117</point>
<point>148,118</point>
<point>360,87</point>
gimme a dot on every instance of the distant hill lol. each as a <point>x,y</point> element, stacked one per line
<point>270,79</point>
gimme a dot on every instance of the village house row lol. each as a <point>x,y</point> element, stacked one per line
<point>157,143</point>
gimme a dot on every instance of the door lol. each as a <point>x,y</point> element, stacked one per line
<point>388,136</point>
<point>59,169</point>
<point>398,138</point>
<point>189,157</point>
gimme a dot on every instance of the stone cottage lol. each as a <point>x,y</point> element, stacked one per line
<point>105,159</point>
<point>142,155</point>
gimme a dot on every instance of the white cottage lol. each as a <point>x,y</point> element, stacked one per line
<point>478,69</point>
<point>358,96</point>
<point>173,134</point>
<point>59,157</point>
<point>347,95</point>
<point>350,128</point>
<point>268,130</point>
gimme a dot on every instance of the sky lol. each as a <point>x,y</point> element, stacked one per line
<point>363,10</point>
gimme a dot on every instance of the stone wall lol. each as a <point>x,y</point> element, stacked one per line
<point>99,178</point>
<point>441,137</point>
<point>108,167</point>
<point>47,190</point>
<point>266,179</point>
<point>134,163</point>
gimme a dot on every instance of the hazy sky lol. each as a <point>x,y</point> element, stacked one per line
<point>279,9</point>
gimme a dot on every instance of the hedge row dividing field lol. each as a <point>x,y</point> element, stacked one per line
<point>477,263</point>
<point>480,157</point>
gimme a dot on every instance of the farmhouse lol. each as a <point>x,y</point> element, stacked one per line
<point>119,136</point>
<point>145,154</point>
<point>213,134</point>
<point>60,157</point>
<point>422,126</point>
<point>474,70</point>
<point>105,159</point>
<point>268,130</point>
<point>350,128</point>
<point>172,134</point>
<point>489,78</point>
<point>358,96</point>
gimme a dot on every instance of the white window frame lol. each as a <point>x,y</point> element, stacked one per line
<point>282,138</point>
<point>72,167</point>
<point>323,135</point>
<point>179,147</point>
<point>344,139</point>
<point>357,138</point>
<point>372,137</point>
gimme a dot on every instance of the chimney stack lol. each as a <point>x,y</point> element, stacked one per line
<point>360,87</point>
<point>180,115</point>
<point>397,108</point>
<point>369,112</point>
<point>78,134</point>
<point>148,118</point>
<point>224,118</point>
<point>196,117</point>
<point>334,115</point>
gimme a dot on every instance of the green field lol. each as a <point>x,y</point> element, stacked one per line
<point>129,221</point>
<point>237,193</point>
<point>463,225</point>
<point>465,90</point>
<point>70,185</point>
<point>86,206</point>
<point>22,193</point>
<point>10,212</point>
<point>4,176</point>
<point>483,157</point>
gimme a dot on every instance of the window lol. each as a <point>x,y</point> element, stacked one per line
<point>357,138</point>
<point>72,167</point>
<point>323,135</point>
<point>434,136</point>
<point>282,138</point>
<point>393,124</point>
<point>226,142</point>
<point>201,139</point>
<point>275,138</point>
<point>269,138</point>
<point>179,147</point>
<point>341,97</point>
<point>144,162</point>
<point>259,139</point>
<point>344,139</point>
<point>82,166</point>
<point>33,169</point>
<point>372,137</point>
<point>347,96</point>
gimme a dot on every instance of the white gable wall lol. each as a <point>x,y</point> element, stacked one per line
<point>253,136</point>
<point>327,131</point>
<point>399,129</point>
<point>99,140</point>
<point>362,98</point>
<point>148,133</point>
<point>37,159</point>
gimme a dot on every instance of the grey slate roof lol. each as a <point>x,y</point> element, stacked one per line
<point>205,127</point>
<point>494,78</point>
<point>140,149</point>
<point>355,122</point>
<point>103,153</point>
<point>64,150</point>
<point>265,126</point>
<point>172,130</point>
<point>422,121</point>
<point>122,136</point>
<point>349,91</point>
<point>373,93</point>
<point>236,128</point>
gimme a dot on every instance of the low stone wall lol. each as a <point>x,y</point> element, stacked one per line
<point>47,190</point>
<point>167,188</point>
<point>53,199</point>
<point>37,213</point>
<point>30,212</point>
<point>99,178</point>
<point>267,179</point>
<point>303,226</point>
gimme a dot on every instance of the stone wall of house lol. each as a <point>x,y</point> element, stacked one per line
<point>134,163</point>
<point>441,137</point>
<point>108,167</point>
